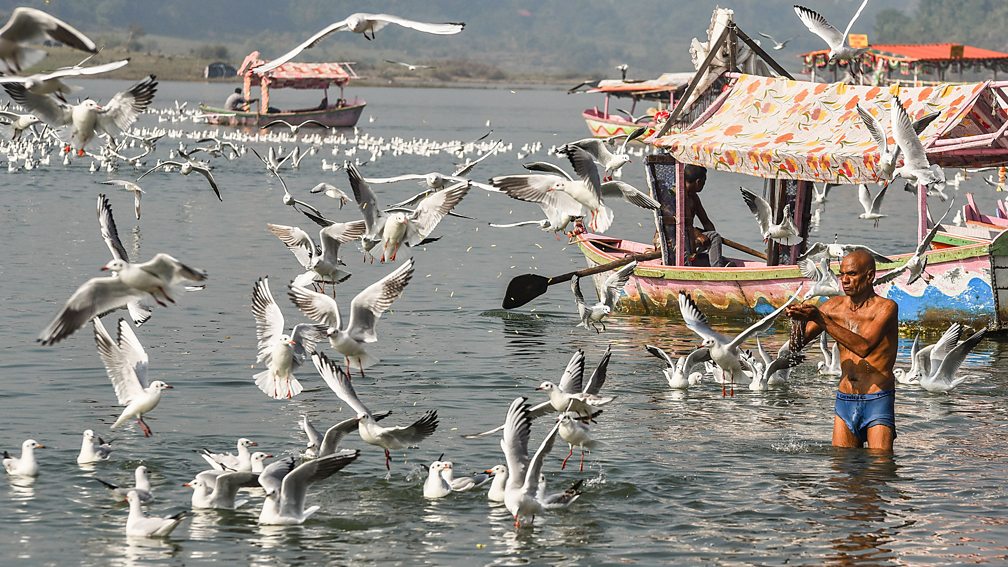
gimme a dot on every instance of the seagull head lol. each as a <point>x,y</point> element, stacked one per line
<point>558,185</point>
<point>32,444</point>
<point>546,386</point>
<point>91,105</point>
<point>114,266</point>
<point>158,386</point>
<point>89,434</point>
<point>243,442</point>
<point>496,469</point>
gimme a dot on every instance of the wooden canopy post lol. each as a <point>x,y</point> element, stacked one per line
<point>660,171</point>
<point>922,213</point>
<point>802,217</point>
<point>681,230</point>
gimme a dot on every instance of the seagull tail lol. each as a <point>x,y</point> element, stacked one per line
<point>276,386</point>
<point>603,219</point>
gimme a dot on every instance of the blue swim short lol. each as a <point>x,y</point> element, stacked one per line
<point>861,411</point>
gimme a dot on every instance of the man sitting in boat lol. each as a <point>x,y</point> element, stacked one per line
<point>706,240</point>
<point>235,101</point>
<point>865,326</point>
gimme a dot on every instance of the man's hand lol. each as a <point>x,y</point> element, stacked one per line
<point>804,312</point>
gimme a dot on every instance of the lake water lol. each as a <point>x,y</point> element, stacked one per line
<point>683,478</point>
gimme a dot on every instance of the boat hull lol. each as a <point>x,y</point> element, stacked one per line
<point>964,288</point>
<point>333,117</point>
<point>602,126</point>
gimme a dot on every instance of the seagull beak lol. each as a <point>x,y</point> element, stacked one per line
<point>253,443</point>
<point>489,472</point>
<point>40,446</point>
<point>104,268</point>
<point>268,457</point>
<point>169,387</point>
<point>539,388</point>
<point>186,484</point>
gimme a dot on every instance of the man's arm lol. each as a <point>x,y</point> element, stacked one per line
<point>701,215</point>
<point>861,343</point>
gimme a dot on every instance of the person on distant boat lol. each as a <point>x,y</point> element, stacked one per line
<point>235,101</point>
<point>325,102</point>
<point>865,326</point>
<point>705,240</point>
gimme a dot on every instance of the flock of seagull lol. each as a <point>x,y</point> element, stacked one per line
<point>568,202</point>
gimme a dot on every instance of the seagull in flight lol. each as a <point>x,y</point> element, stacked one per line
<point>281,352</point>
<point>916,265</point>
<point>185,168</point>
<point>889,154</point>
<point>916,167</point>
<point>784,232</point>
<point>126,365</point>
<point>817,24</point>
<point>294,128</point>
<point>30,24</point>
<point>591,316</point>
<point>778,45</point>
<point>367,426</point>
<point>286,484</point>
<point>724,351</point>
<point>872,206</point>
<point>363,24</point>
<point>410,66</point>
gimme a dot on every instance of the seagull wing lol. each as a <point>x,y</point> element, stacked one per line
<point>948,341</point>
<point>369,304</point>
<point>850,24</point>
<point>763,323</point>
<point>517,427</point>
<point>876,203</point>
<point>328,443</point>
<point>875,128</point>
<point>307,44</point>
<point>431,210</point>
<point>906,137</point>
<point>535,465</point>
<point>660,354</point>
<point>598,376</point>
<point>573,375</point>
<point>629,193</point>
<point>205,172</point>
<point>759,208</point>
<point>448,28</point>
<point>297,241</point>
<point>864,197</point>
<point>926,242</point>
<point>125,107</point>
<point>29,24</point>
<point>78,71</point>
<point>366,200</point>
<point>417,432</point>
<point>546,167</point>
<point>316,306</point>
<point>584,167</point>
<point>696,320</point>
<point>269,319</point>
<point>956,356</point>
<point>50,110</point>
<point>614,284</point>
<point>339,382</point>
<point>95,297</point>
<point>108,229</point>
<point>122,359</point>
<point>818,25</point>
<point>332,236</point>
<point>294,486</point>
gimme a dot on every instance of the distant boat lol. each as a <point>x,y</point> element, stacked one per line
<point>608,121</point>
<point>344,112</point>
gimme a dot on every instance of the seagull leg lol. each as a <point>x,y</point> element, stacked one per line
<point>388,460</point>
<point>564,465</point>
<point>582,460</point>
<point>144,427</point>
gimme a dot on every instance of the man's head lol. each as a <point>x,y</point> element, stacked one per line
<point>694,176</point>
<point>237,90</point>
<point>857,273</point>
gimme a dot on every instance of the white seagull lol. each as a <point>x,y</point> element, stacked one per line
<point>436,486</point>
<point>93,449</point>
<point>140,525</point>
<point>839,49</point>
<point>332,192</point>
<point>158,279</point>
<point>612,289</point>
<point>365,309</point>
<point>367,426</point>
<point>88,117</point>
<point>242,462</point>
<point>521,490</point>
<point>889,154</point>
<point>830,364</point>
<point>575,430</point>
<point>942,377</point>
<point>916,265</point>
<point>322,264</point>
<point>824,281</point>
<point>360,23</point>
<point>141,485</point>
<point>785,232</point>
<point>24,465</point>
<point>132,188</point>
<point>138,312</point>
<point>282,353</point>
<point>50,82</point>
<point>126,364</point>
<point>872,206</point>
<point>725,352</point>
<point>323,445</point>
<point>286,487</point>
<point>777,45</point>
<point>29,24</point>
<point>217,490</point>
<point>185,168</point>
<point>679,373</point>
<point>916,167</point>
<point>410,66</point>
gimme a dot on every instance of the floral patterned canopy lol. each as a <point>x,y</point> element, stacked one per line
<point>779,128</point>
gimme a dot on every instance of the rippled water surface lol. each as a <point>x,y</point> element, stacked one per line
<point>679,477</point>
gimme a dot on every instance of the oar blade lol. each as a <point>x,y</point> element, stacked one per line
<point>524,288</point>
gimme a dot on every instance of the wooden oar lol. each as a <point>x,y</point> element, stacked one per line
<point>526,287</point>
<point>744,248</point>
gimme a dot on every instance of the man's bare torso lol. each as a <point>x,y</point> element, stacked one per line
<point>872,373</point>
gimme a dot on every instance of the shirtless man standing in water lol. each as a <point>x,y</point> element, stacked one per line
<point>865,326</point>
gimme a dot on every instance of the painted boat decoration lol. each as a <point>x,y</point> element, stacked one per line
<point>343,112</point>
<point>966,271</point>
